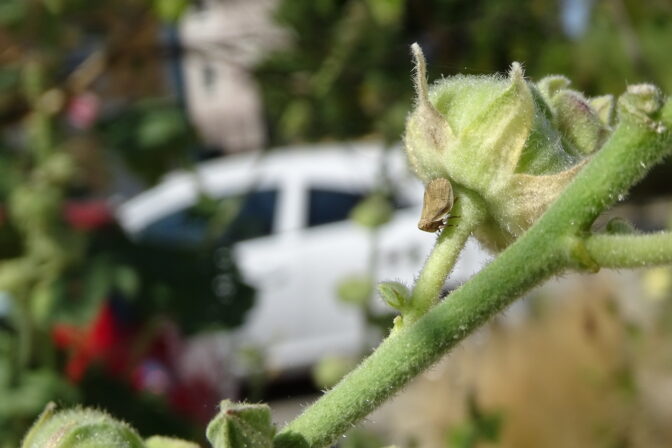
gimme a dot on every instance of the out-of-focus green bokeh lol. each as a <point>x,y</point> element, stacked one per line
<point>347,70</point>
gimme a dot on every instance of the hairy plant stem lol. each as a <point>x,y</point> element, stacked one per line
<point>545,249</point>
<point>468,213</point>
<point>630,251</point>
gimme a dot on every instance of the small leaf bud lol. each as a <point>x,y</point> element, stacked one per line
<point>395,294</point>
<point>618,226</point>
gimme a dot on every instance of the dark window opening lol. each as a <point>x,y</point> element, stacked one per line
<point>253,216</point>
<point>327,206</point>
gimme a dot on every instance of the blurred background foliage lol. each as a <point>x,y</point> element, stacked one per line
<point>86,104</point>
<point>86,315</point>
<point>347,72</point>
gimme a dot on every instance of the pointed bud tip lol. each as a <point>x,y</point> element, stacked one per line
<point>420,79</point>
<point>416,50</point>
<point>552,84</point>
<point>516,72</point>
<point>643,89</point>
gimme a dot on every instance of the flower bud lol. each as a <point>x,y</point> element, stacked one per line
<point>576,119</point>
<point>605,107</point>
<point>241,425</point>
<point>168,442</point>
<point>550,85</point>
<point>642,102</point>
<point>79,428</point>
<point>514,143</point>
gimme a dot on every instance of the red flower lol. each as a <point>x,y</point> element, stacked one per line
<point>87,215</point>
<point>106,339</point>
<point>150,362</point>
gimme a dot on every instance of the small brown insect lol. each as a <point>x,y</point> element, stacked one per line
<point>436,204</point>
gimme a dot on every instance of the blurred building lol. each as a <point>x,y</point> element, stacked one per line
<point>222,40</point>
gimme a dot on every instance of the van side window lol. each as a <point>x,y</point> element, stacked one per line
<point>249,216</point>
<point>326,206</point>
<point>255,217</point>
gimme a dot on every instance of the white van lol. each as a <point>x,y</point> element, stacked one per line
<point>296,242</point>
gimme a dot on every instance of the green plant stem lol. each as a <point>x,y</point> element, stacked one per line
<point>398,359</point>
<point>541,252</point>
<point>625,158</point>
<point>468,212</point>
<point>630,251</point>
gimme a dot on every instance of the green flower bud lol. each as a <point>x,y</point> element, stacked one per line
<point>168,442</point>
<point>241,425</point>
<point>550,85</point>
<point>515,144</point>
<point>605,106</point>
<point>576,119</point>
<point>79,428</point>
<point>642,102</point>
